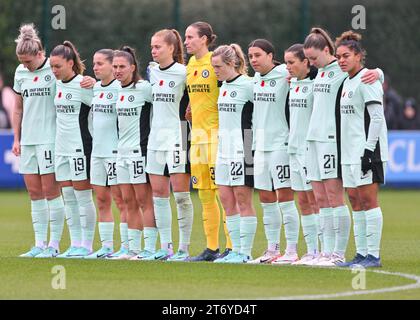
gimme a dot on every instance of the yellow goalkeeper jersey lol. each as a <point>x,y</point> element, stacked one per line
<point>203,92</point>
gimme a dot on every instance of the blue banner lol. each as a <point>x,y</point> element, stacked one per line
<point>9,163</point>
<point>403,168</point>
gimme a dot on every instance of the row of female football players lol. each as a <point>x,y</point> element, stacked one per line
<point>272,133</point>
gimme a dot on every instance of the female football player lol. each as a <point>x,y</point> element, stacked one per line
<point>364,147</point>
<point>234,162</point>
<point>168,146</point>
<point>323,165</point>
<point>203,90</point>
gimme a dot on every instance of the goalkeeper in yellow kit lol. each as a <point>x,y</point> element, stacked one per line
<point>203,91</point>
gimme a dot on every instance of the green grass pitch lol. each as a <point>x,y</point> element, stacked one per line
<point>32,278</point>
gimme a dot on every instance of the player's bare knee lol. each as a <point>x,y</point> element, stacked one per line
<point>50,192</point>
<point>304,205</point>
<point>285,195</point>
<point>268,197</point>
<point>368,202</point>
<point>102,202</point>
<point>35,194</point>
<point>119,202</point>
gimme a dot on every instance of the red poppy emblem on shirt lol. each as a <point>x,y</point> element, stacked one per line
<point>60,94</point>
<point>101,96</point>
<point>122,98</point>
<point>195,73</point>
<point>262,83</point>
<point>224,93</point>
<point>297,89</point>
<point>36,79</point>
<point>322,74</point>
<point>344,94</point>
<point>161,83</point>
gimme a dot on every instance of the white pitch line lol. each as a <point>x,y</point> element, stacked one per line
<point>415,285</point>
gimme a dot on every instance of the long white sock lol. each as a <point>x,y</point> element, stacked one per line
<point>272,219</point>
<point>310,232</point>
<point>163,217</point>
<point>124,234</point>
<point>185,218</point>
<point>327,229</point>
<point>248,228</point>
<point>342,225</point>
<point>320,235</point>
<point>291,224</point>
<point>233,224</point>
<point>150,237</point>
<point>39,212</point>
<point>87,217</point>
<point>106,233</point>
<point>359,230</point>
<point>71,208</point>
<point>134,240</point>
<point>57,215</point>
<point>374,224</point>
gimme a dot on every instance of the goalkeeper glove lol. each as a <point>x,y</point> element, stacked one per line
<point>367,161</point>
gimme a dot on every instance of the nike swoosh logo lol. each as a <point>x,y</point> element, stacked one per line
<point>283,181</point>
<point>53,221</point>
<point>113,178</point>
<point>327,172</point>
<point>369,235</point>
<point>234,179</point>
<point>181,218</point>
<point>363,177</point>
<point>78,174</point>
<point>135,177</point>
<point>242,237</point>
<point>36,222</point>
<point>305,235</point>
<point>47,167</point>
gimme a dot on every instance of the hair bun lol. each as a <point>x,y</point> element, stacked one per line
<point>28,32</point>
<point>350,35</point>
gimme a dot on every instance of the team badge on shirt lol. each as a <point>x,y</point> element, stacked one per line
<point>194,179</point>
<point>131,98</point>
<point>205,73</point>
<point>273,83</point>
<point>171,84</point>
